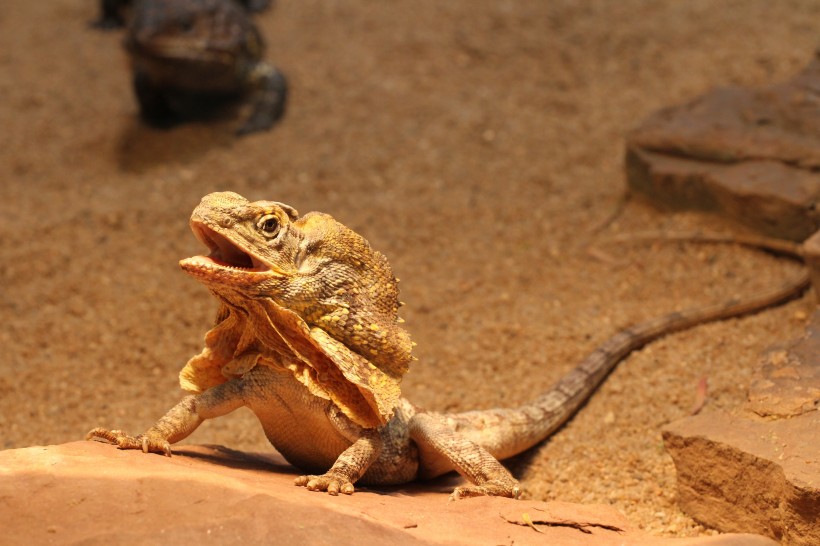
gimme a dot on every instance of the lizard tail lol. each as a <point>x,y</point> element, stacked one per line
<point>505,432</point>
<point>760,242</point>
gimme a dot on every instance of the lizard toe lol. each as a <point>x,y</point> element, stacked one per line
<point>116,437</point>
<point>493,488</point>
<point>333,488</point>
<point>333,485</point>
<point>100,433</point>
<point>151,443</point>
<point>148,442</point>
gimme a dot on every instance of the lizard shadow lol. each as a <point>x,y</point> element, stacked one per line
<point>274,462</point>
<point>442,485</point>
<point>232,458</point>
<point>519,464</point>
<point>142,146</point>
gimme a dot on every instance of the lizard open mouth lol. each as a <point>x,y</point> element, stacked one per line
<point>225,253</point>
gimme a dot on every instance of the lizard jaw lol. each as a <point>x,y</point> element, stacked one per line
<point>184,51</point>
<point>225,252</point>
<point>226,263</point>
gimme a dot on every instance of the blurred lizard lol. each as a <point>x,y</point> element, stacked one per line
<point>190,57</point>
<point>115,13</point>
<point>308,337</point>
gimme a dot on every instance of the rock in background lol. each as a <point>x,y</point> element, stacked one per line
<point>752,155</point>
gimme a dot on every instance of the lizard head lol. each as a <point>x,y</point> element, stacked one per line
<point>178,39</point>
<point>310,264</point>
<point>251,244</point>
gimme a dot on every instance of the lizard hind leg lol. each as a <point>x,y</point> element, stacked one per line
<point>442,449</point>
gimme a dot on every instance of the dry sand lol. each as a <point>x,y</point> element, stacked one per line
<point>477,144</point>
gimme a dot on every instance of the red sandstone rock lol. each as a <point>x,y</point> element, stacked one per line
<point>91,493</point>
<point>736,474</point>
<point>749,154</point>
<point>742,473</point>
<point>812,248</point>
<point>788,381</point>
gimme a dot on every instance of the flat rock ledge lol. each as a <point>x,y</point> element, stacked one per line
<point>91,493</point>
<point>758,469</point>
<point>751,155</point>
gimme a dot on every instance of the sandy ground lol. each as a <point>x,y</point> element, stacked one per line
<point>477,144</point>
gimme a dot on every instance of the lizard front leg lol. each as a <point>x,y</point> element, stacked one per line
<point>153,102</point>
<point>365,448</point>
<point>180,421</point>
<point>255,6</point>
<point>269,90</point>
<point>442,449</point>
<point>112,14</point>
<point>349,466</point>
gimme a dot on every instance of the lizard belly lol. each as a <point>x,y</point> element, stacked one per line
<point>295,421</point>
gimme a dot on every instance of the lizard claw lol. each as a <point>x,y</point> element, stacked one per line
<point>494,488</point>
<point>331,483</point>
<point>148,442</point>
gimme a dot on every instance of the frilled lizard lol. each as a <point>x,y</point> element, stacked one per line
<point>190,57</point>
<point>308,337</point>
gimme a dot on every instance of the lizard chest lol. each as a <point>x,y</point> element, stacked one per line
<point>294,420</point>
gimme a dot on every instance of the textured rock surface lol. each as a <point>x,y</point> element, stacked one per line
<point>812,248</point>
<point>743,473</point>
<point>788,381</point>
<point>91,493</point>
<point>750,154</point>
<point>738,474</point>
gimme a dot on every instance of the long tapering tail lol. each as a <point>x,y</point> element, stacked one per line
<point>505,432</point>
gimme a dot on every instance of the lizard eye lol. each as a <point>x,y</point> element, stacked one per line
<point>268,225</point>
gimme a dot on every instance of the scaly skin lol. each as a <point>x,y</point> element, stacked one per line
<point>308,337</point>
